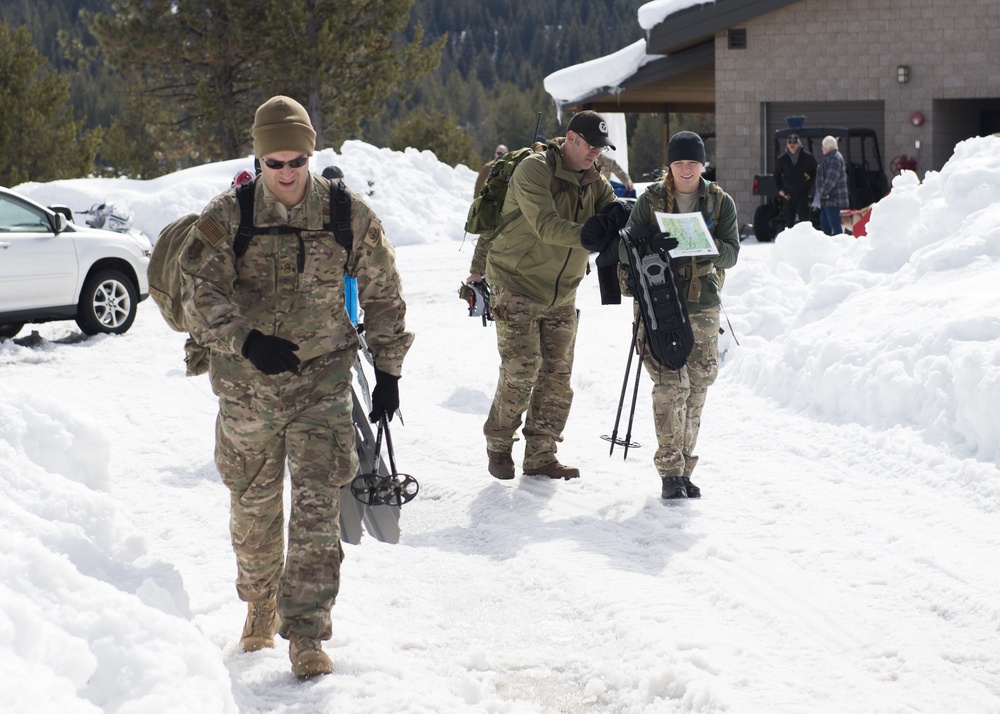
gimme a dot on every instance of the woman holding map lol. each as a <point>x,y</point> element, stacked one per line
<point>702,218</point>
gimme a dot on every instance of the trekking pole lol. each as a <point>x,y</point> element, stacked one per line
<point>635,393</point>
<point>621,399</point>
<point>538,125</point>
<point>396,488</point>
<point>392,489</point>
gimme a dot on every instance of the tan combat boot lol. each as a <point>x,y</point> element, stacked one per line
<point>308,658</point>
<point>261,625</point>
<point>501,465</point>
<point>554,470</point>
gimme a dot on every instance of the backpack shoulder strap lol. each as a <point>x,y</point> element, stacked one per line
<point>555,187</point>
<point>713,216</point>
<point>244,234</point>
<point>557,183</point>
<point>340,214</point>
<point>339,225</point>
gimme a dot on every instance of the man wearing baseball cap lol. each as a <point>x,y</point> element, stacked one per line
<point>282,347</point>
<point>533,268</point>
<point>591,126</point>
<point>795,178</point>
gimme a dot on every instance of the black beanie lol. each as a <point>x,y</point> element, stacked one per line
<point>685,146</point>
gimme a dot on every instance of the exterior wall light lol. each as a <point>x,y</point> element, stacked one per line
<point>903,74</point>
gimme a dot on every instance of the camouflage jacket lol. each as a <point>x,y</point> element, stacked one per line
<point>538,255</point>
<point>290,285</point>
<point>607,166</point>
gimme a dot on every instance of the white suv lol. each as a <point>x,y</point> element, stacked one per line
<point>52,269</point>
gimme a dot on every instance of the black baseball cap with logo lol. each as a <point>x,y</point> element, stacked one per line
<point>592,127</point>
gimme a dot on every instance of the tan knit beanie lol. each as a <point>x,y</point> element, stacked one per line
<point>282,124</point>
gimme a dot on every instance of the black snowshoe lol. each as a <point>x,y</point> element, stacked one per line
<point>662,307</point>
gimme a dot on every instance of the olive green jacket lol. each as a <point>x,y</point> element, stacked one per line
<point>538,254</point>
<point>706,269</point>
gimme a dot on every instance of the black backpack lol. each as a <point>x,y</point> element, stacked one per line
<point>339,224</point>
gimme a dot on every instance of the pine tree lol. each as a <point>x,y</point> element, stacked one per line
<point>207,64</point>
<point>433,131</point>
<point>39,138</point>
<point>192,65</point>
<point>340,58</point>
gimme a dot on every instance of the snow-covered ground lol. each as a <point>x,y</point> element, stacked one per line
<point>842,560</point>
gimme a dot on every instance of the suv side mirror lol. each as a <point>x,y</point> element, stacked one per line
<point>61,223</point>
<point>65,210</point>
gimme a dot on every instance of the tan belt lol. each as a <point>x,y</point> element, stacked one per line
<point>692,272</point>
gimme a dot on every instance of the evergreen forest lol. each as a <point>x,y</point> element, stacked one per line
<point>145,87</point>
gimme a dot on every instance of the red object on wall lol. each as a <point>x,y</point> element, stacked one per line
<point>902,162</point>
<point>917,119</point>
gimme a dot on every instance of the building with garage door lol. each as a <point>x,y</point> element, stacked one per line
<point>923,74</point>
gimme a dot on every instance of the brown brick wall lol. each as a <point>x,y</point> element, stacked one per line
<point>848,50</point>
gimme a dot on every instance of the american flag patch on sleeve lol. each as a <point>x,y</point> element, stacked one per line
<point>211,229</point>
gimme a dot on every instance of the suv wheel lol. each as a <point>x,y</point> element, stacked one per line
<point>108,304</point>
<point>10,329</point>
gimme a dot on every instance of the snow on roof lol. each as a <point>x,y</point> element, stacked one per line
<point>653,13</point>
<point>572,83</point>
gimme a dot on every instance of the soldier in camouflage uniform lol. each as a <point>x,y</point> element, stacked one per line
<point>282,346</point>
<point>534,267</point>
<point>679,396</point>
<point>608,166</point>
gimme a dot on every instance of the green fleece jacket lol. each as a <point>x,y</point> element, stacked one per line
<point>538,254</point>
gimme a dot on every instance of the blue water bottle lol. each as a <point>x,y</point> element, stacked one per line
<point>351,299</point>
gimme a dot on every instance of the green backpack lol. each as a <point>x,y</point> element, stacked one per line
<point>164,272</point>
<point>485,212</point>
<point>164,275</point>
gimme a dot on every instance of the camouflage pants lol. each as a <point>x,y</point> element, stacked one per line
<point>679,397</point>
<point>536,345</point>
<point>306,419</point>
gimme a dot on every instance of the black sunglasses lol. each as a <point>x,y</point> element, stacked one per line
<point>294,163</point>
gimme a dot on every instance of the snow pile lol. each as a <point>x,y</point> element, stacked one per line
<point>414,180</point>
<point>88,622</point>
<point>896,329</point>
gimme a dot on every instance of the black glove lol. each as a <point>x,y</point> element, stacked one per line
<point>617,213</point>
<point>270,354</point>
<point>596,233</point>
<point>385,396</point>
<point>649,237</point>
<point>602,228</point>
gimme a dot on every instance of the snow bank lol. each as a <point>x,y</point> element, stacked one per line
<point>896,328</point>
<point>85,615</point>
